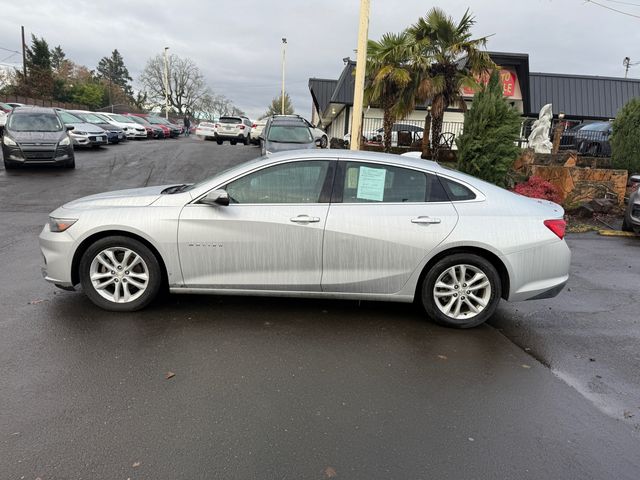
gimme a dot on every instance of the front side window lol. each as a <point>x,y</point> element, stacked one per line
<point>370,182</point>
<point>296,182</point>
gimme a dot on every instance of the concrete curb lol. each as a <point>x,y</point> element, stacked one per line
<point>616,233</point>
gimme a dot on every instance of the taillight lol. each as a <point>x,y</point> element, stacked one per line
<point>241,127</point>
<point>556,226</point>
<point>253,126</point>
<point>217,125</point>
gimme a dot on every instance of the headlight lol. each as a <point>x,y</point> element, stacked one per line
<point>73,132</point>
<point>60,224</point>
<point>65,141</point>
<point>9,141</point>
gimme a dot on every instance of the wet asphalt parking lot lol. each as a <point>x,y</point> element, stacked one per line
<point>303,389</point>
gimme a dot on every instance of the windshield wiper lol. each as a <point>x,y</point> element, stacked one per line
<point>174,189</point>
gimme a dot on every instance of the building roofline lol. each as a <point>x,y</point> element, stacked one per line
<point>594,77</point>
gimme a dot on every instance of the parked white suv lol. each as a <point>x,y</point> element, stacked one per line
<point>256,131</point>
<point>234,129</point>
<point>131,128</point>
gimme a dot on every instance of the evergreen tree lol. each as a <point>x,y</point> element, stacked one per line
<point>625,140</point>
<point>487,148</point>
<point>276,106</point>
<point>114,70</point>
<point>58,59</point>
<point>39,81</point>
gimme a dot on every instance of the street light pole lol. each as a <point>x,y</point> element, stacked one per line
<point>166,85</point>
<point>361,66</point>
<point>284,48</point>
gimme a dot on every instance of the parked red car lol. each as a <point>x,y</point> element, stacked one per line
<point>153,131</point>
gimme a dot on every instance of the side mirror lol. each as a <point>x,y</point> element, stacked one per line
<point>70,127</point>
<point>216,197</point>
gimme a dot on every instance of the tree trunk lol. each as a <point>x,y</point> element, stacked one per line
<point>426,137</point>
<point>437,113</point>
<point>387,124</point>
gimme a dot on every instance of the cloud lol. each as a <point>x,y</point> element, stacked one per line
<point>239,49</point>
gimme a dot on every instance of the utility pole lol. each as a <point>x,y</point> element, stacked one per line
<point>627,63</point>
<point>361,66</point>
<point>24,56</point>
<point>166,85</point>
<point>284,49</point>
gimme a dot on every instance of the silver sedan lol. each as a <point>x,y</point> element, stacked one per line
<point>331,223</point>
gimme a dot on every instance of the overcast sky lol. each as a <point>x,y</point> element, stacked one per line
<point>237,44</point>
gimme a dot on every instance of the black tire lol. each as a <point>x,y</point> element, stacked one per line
<point>233,142</point>
<point>219,142</point>
<point>70,163</point>
<point>594,149</point>
<point>582,147</point>
<point>626,227</point>
<point>247,140</point>
<point>154,273</point>
<point>440,269</point>
<point>324,142</point>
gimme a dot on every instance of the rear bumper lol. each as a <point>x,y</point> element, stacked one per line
<point>538,272</point>
<point>225,136</point>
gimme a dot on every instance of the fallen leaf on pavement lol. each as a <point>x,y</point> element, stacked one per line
<point>35,302</point>
<point>442,357</point>
<point>136,464</point>
<point>330,472</point>
<point>169,375</point>
<point>524,365</point>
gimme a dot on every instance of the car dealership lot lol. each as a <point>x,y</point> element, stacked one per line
<point>282,388</point>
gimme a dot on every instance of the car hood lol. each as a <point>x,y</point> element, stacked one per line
<point>86,127</point>
<point>109,127</point>
<point>134,197</point>
<point>48,137</point>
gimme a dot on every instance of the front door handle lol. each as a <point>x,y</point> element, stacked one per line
<point>305,219</point>
<point>425,220</point>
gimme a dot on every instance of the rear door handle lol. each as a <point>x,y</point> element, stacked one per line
<point>425,220</point>
<point>305,219</point>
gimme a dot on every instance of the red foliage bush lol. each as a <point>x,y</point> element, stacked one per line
<point>537,187</point>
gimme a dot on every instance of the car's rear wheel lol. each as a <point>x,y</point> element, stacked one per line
<point>461,291</point>
<point>247,140</point>
<point>626,227</point>
<point>219,142</point>
<point>120,274</point>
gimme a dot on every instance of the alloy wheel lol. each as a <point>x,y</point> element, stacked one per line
<point>119,274</point>
<point>462,291</point>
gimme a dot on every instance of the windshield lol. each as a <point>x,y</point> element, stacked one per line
<point>158,121</point>
<point>68,118</point>
<point>289,134</point>
<point>35,122</point>
<point>121,118</point>
<point>139,120</point>
<point>90,117</point>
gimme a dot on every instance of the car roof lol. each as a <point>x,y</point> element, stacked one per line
<point>30,109</point>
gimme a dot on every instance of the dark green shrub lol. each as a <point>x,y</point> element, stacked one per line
<point>625,139</point>
<point>487,148</point>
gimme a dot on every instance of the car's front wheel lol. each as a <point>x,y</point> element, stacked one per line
<point>324,142</point>
<point>120,274</point>
<point>461,291</point>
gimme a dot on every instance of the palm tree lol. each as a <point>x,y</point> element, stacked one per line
<point>449,60</point>
<point>389,73</point>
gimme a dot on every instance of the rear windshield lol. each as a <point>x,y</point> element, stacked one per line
<point>230,120</point>
<point>35,122</point>
<point>289,134</point>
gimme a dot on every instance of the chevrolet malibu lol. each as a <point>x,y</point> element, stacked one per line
<point>331,223</point>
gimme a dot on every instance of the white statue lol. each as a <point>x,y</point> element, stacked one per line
<point>539,137</point>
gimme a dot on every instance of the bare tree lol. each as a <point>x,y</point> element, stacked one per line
<point>187,87</point>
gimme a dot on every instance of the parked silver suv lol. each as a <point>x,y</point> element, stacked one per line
<point>233,128</point>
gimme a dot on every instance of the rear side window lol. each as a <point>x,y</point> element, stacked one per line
<point>372,183</point>
<point>456,191</point>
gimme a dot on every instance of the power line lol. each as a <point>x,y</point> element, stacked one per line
<point>9,50</point>
<point>624,3</point>
<point>613,9</point>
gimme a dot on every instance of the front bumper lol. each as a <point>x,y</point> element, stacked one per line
<point>90,140</point>
<point>34,155</point>
<point>57,249</point>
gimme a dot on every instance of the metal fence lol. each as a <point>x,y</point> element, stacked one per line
<point>408,133</point>
<point>41,102</point>
<point>590,139</point>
